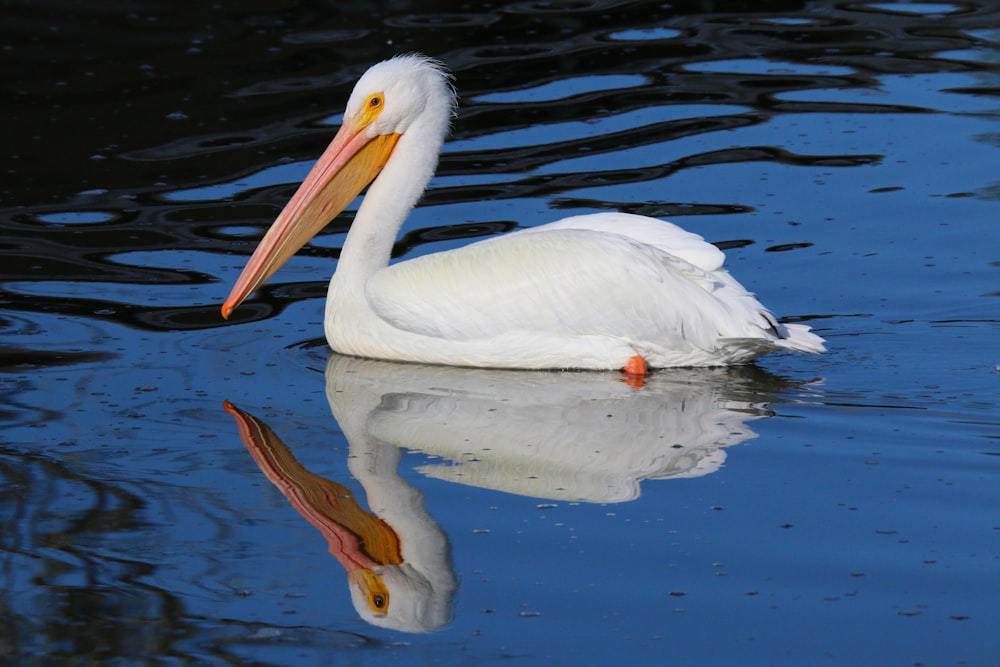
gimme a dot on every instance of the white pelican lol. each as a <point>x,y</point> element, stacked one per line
<point>603,291</point>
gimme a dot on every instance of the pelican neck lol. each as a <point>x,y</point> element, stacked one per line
<point>389,200</point>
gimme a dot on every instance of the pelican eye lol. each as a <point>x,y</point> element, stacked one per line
<point>378,601</point>
<point>374,102</point>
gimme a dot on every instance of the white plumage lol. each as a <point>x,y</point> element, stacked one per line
<point>589,292</point>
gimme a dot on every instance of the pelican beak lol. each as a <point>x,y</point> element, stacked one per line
<point>353,159</point>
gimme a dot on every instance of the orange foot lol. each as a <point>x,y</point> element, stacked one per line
<point>635,371</point>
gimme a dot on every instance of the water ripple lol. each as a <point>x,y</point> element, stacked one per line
<point>843,153</point>
<point>571,121</point>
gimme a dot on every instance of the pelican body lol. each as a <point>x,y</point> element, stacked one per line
<point>602,291</point>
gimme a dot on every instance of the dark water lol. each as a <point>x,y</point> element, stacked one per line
<point>840,510</point>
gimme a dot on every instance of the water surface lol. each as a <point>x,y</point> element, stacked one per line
<point>839,509</point>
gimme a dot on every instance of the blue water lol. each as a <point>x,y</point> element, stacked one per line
<point>838,509</point>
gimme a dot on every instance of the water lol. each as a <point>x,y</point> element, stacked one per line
<point>840,509</point>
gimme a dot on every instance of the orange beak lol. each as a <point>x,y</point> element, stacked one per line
<point>350,163</point>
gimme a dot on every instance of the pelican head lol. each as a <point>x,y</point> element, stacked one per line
<point>407,100</point>
<point>394,93</point>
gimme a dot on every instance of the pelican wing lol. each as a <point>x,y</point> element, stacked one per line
<point>660,234</point>
<point>566,279</point>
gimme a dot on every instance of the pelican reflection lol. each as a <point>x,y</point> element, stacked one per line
<point>572,436</point>
<point>397,558</point>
